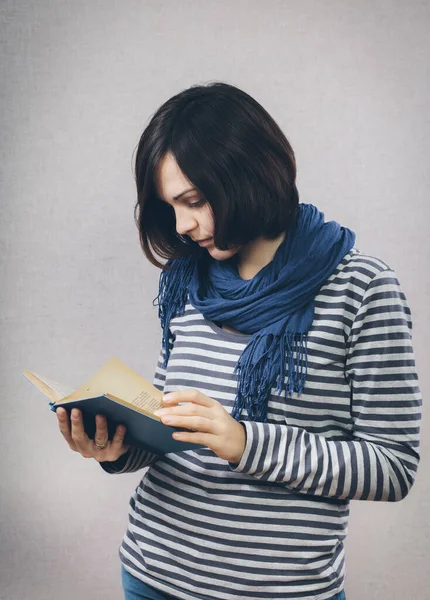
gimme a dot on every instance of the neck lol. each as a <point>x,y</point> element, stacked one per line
<point>256,255</point>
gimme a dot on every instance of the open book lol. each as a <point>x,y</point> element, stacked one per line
<point>124,397</point>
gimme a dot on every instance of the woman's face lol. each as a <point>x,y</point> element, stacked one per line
<point>194,217</point>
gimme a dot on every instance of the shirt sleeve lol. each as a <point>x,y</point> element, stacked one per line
<point>137,458</point>
<point>379,459</point>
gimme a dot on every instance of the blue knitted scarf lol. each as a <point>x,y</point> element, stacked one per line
<point>276,306</point>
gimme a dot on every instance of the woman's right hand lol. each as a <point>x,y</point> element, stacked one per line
<point>75,436</point>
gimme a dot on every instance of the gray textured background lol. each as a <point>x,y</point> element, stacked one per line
<point>349,84</point>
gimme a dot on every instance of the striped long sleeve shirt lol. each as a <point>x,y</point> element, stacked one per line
<point>273,525</point>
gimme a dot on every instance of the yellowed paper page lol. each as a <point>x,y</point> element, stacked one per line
<point>52,390</point>
<point>116,379</point>
<point>133,406</point>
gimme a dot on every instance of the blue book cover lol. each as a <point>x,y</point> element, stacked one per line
<point>124,397</point>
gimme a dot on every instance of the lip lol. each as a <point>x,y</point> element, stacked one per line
<point>204,242</point>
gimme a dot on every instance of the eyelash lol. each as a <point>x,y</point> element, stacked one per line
<point>197,204</point>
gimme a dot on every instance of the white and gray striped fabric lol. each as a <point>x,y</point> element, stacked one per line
<point>273,525</point>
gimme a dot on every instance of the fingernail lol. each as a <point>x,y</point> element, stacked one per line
<point>75,413</point>
<point>159,412</point>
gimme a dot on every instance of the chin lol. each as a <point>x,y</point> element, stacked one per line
<point>221,254</point>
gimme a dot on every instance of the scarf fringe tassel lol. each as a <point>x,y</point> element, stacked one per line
<point>263,363</point>
<point>171,299</point>
<point>254,392</point>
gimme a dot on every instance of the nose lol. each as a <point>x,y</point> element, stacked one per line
<point>185,222</point>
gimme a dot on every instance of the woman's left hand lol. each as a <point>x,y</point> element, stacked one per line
<point>213,426</point>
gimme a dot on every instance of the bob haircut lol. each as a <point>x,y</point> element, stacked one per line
<point>233,152</point>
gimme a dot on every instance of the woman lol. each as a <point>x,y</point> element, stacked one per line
<point>286,354</point>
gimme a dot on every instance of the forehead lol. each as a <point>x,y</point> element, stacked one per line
<point>169,179</point>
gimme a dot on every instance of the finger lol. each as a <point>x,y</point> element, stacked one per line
<point>115,448</point>
<point>64,426</point>
<point>79,436</point>
<point>118,439</point>
<point>195,423</point>
<point>195,396</point>
<point>190,409</point>
<point>101,436</point>
<point>204,439</point>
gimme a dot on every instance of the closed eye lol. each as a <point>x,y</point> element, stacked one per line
<point>196,204</point>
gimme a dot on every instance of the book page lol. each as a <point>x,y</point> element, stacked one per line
<point>147,402</point>
<point>52,390</point>
<point>58,388</point>
<point>116,379</point>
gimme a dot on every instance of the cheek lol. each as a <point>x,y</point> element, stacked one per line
<point>207,220</point>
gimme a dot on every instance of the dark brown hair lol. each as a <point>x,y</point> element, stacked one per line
<point>233,152</point>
